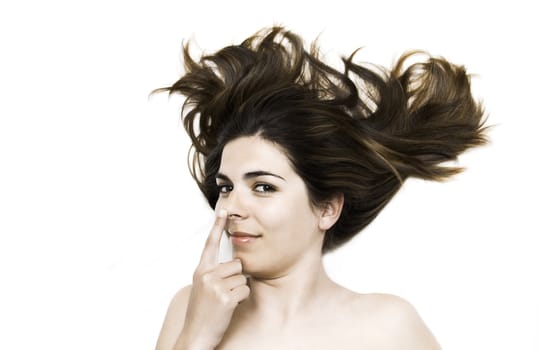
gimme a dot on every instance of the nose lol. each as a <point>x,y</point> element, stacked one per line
<point>233,216</point>
<point>235,205</point>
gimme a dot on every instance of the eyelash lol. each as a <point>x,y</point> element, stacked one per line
<point>268,188</point>
<point>225,189</point>
<point>222,187</point>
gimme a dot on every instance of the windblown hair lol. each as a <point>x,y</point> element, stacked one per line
<point>359,132</point>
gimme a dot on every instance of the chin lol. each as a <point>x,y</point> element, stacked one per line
<point>257,269</point>
<point>249,266</point>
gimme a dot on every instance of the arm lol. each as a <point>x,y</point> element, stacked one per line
<point>174,320</point>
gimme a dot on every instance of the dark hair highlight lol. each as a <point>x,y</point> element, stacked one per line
<point>358,133</point>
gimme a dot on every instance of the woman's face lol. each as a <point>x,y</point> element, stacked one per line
<point>272,225</point>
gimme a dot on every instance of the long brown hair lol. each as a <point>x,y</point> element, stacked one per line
<point>359,132</point>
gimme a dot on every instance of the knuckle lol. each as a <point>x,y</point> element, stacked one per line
<point>225,299</point>
<point>217,292</point>
<point>206,278</point>
<point>199,272</point>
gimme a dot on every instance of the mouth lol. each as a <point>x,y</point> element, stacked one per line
<point>241,238</point>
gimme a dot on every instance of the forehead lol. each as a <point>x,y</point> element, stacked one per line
<point>252,153</point>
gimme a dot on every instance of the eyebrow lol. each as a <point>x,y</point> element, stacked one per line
<point>249,175</point>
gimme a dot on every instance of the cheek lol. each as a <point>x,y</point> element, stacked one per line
<point>286,217</point>
<point>270,216</point>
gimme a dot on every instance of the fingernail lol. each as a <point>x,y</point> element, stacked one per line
<point>222,213</point>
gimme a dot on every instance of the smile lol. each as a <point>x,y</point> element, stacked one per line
<point>241,238</point>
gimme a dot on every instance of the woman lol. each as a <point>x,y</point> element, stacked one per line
<point>297,157</point>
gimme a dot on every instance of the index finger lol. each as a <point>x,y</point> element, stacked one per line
<point>209,256</point>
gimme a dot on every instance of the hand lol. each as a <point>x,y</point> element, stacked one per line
<point>217,289</point>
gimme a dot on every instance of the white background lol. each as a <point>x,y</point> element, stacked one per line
<point>100,222</point>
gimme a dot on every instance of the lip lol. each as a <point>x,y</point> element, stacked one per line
<point>241,238</point>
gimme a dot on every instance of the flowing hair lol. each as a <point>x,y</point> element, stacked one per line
<point>357,132</point>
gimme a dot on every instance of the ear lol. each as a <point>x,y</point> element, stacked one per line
<point>330,212</point>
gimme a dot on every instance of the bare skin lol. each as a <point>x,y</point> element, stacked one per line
<point>288,301</point>
<point>320,315</point>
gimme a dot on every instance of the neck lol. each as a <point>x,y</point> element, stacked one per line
<point>291,294</point>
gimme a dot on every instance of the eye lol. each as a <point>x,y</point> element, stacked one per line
<point>224,188</point>
<point>264,188</point>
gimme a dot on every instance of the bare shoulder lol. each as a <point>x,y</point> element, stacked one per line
<point>174,319</point>
<point>392,322</point>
